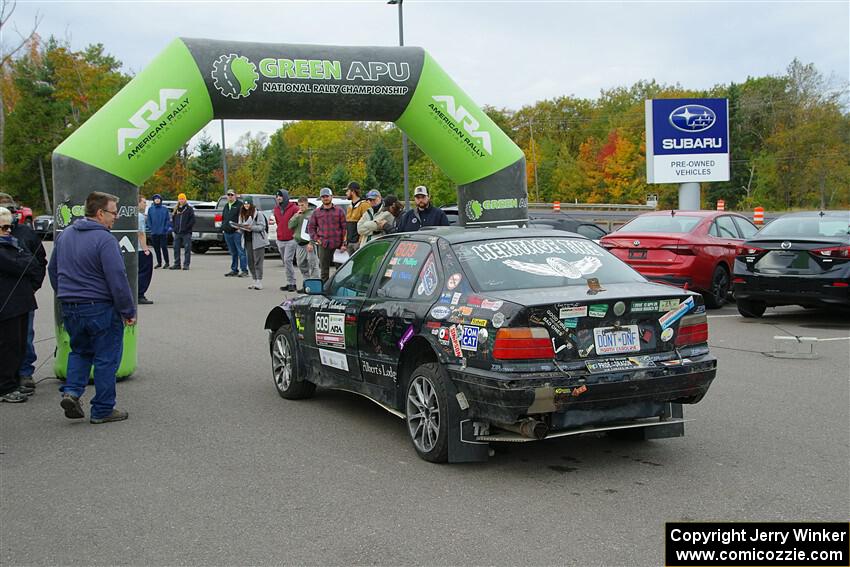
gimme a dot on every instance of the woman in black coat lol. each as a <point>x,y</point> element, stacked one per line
<point>18,275</point>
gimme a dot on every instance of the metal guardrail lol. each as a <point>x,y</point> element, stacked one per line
<point>594,206</point>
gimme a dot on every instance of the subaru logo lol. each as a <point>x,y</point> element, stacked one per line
<point>693,118</point>
<point>636,242</point>
<point>785,245</point>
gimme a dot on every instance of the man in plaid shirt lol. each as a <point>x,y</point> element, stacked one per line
<point>326,228</point>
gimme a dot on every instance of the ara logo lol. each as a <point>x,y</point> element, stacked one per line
<point>693,118</point>
<point>149,112</point>
<point>234,76</point>
<point>470,124</point>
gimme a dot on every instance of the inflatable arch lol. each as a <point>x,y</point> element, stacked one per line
<point>194,81</point>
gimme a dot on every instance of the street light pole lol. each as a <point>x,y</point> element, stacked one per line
<point>403,133</point>
<point>223,156</point>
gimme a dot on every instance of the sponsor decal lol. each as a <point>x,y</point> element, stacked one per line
<point>498,320</point>
<point>666,334</point>
<point>570,312</point>
<point>570,323</point>
<point>676,362</point>
<point>668,304</point>
<point>671,317</point>
<point>492,305</point>
<point>550,321</point>
<point>585,352</point>
<point>474,300</point>
<point>699,309</point>
<point>378,369</point>
<point>453,336</point>
<point>468,337</point>
<point>477,140</point>
<point>406,250</point>
<point>408,334</point>
<point>299,324</point>
<point>333,359</point>
<point>475,208</point>
<point>579,391</point>
<point>464,310</point>
<point>334,305</point>
<point>432,325</point>
<point>646,334</point>
<point>479,322</point>
<point>505,249</point>
<point>453,281</point>
<point>445,297</point>
<point>598,310</point>
<point>388,274</point>
<point>440,312</point>
<point>330,329</point>
<point>455,298</point>
<point>152,120</point>
<point>483,335</point>
<point>428,278</point>
<point>644,306</point>
<point>593,286</point>
<point>619,308</point>
<point>558,267</point>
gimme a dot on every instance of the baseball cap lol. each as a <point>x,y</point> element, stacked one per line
<point>326,192</point>
<point>354,185</point>
<point>248,199</point>
<point>420,190</point>
<point>372,194</point>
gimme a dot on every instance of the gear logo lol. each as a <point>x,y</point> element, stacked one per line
<point>234,76</point>
<point>474,210</point>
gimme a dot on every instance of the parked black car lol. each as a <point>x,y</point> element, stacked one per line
<point>474,336</point>
<point>43,226</point>
<point>555,221</point>
<point>798,259</point>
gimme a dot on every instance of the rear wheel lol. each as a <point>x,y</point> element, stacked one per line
<point>285,367</point>
<point>427,410</point>
<point>720,282</point>
<point>200,248</point>
<point>750,308</point>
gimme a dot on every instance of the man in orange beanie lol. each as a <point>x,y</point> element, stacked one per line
<point>182,221</point>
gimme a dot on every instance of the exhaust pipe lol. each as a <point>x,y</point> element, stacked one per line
<point>529,427</point>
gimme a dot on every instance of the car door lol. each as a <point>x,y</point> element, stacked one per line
<point>726,238</point>
<point>404,292</point>
<point>331,326</point>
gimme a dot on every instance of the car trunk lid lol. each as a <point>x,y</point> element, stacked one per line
<point>795,257</point>
<point>647,249</point>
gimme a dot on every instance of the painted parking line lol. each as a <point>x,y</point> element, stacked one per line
<point>718,316</point>
<point>808,339</point>
<point>835,339</point>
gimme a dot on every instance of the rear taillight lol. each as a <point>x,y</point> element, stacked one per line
<point>833,252</point>
<point>692,334</point>
<point>608,245</point>
<point>739,280</point>
<point>523,343</point>
<point>748,250</point>
<point>218,217</point>
<point>680,249</point>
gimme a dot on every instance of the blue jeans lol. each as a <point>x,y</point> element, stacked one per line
<point>27,364</point>
<point>97,339</point>
<point>160,247</point>
<point>237,252</point>
<point>184,242</point>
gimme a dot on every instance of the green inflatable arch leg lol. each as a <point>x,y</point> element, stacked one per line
<point>194,81</point>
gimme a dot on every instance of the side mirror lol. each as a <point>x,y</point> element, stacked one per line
<point>313,286</point>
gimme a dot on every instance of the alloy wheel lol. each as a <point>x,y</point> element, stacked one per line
<point>282,363</point>
<point>423,414</point>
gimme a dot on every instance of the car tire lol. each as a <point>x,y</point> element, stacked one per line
<point>200,248</point>
<point>285,367</point>
<point>715,298</point>
<point>427,413</point>
<point>751,309</point>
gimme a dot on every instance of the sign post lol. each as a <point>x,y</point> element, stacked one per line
<point>687,142</point>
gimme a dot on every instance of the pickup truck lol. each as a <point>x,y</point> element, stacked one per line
<point>207,232</point>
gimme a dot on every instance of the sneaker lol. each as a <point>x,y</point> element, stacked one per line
<point>174,267</point>
<point>258,284</point>
<point>165,265</point>
<point>26,390</point>
<point>291,287</point>
<point>251,285</point>
<point>185,267</point>
<point>13,397</point>
<point>116,415</point>
<point>158,266</point>
<point>28,382</point>
<point>243,274</point>
<point>72,407</point>
<point>145,301</point>
<point>231,274</point>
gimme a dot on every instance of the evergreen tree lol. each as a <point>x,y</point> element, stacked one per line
<point>205,165</point>
<point>381,171</point>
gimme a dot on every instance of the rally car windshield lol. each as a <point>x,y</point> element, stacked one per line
<point>527,263</point>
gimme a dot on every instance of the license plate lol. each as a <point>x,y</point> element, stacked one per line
<point>196,235</point>
<point>637,254</point>
<point>615,340</point>
<point>617,364</point>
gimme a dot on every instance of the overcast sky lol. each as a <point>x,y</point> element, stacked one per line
<point>506,54</point>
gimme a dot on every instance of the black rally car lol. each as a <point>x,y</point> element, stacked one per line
<point>798,259</point>
<point>475,336</point>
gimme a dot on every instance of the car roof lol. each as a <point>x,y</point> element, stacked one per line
<point>701,213</point>
<point>459,235</point>
<point>817,214</point>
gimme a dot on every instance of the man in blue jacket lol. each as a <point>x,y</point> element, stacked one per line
<point>158,221</point>
<point>87,272</point>
<point>422,214</point>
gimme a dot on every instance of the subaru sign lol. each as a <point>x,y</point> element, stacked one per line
<point>687,140</point>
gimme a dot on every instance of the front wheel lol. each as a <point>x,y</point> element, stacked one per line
<point>285,367</point>
<point>720,283</point>
<point>751,309</point>
<point>427,410</point>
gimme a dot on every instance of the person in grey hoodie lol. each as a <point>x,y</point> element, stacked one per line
<point>255,237</point>
<point>87,272</point>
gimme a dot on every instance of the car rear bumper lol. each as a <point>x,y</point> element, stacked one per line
<point>575,399</point>
<point>207,237</point>
<point>793,291</point>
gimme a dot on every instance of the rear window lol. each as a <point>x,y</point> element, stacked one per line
<point>814,226</point>
<point>662,223</point>
<point>526,263</point>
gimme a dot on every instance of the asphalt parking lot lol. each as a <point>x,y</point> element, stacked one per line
<point>214,468</point>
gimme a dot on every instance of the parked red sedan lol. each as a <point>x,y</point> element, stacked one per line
<point>689,249</point>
